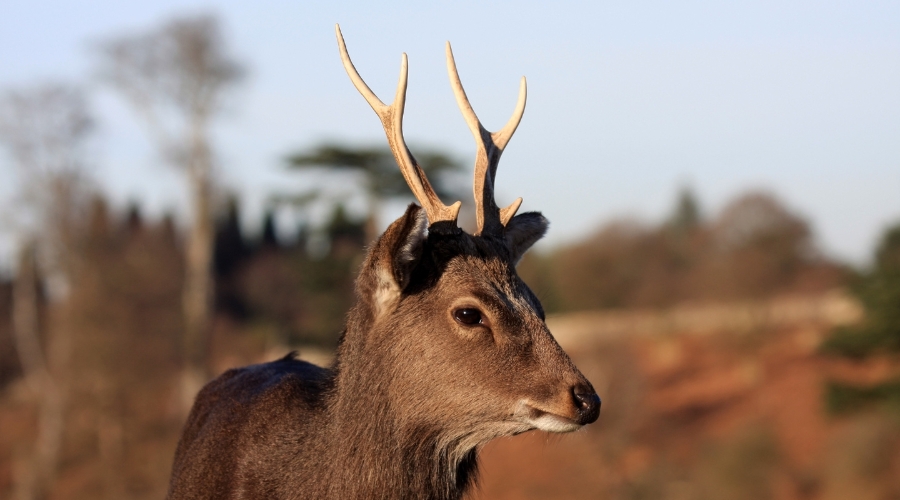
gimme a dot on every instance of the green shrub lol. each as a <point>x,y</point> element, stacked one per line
<point>879,292</point>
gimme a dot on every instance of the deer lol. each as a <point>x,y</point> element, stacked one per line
<point>445,350</point>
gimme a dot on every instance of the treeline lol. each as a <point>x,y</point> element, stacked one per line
<point>283,293</point>
<point>755,247</point>
<point>131,271</point>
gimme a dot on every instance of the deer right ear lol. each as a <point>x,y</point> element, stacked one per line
<point>394,256</point>
<point>523,231</point>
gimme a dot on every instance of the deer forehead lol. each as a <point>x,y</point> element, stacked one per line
<point>492,281</point>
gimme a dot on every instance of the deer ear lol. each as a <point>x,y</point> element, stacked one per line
<point>407,244</point>
<point>523,231</point>
<point>394,256</point>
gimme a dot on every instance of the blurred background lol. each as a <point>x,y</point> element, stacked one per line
<point>190,186</point>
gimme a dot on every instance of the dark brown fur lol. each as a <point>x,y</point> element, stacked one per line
<point>413,393</point>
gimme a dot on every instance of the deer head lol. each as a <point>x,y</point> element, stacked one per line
<point>463,338</point>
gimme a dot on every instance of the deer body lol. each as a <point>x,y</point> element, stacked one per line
<point>445,350</point>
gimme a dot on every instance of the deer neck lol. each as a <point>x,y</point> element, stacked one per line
<point>381,448</point>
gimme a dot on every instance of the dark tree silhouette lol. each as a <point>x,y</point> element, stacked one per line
<point>381,178</point>
<point>879,291</point>
<point>686,217</point>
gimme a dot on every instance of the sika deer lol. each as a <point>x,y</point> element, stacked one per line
<point>445,350</point>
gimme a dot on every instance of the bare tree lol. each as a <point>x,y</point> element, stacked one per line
<point>39,471</point>
<point>176,77</point>
<point>44,131</point>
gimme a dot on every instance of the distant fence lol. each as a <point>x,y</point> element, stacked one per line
<point>833,308</point>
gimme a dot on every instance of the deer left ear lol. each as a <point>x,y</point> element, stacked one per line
<point>523,231</point>
<point>407,244</point>
<point>392,259</point>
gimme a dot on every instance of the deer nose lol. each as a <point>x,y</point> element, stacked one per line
<point>587,403</point>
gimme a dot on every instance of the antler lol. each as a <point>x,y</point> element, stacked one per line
<point>489,217</point>
<point>392,121</point>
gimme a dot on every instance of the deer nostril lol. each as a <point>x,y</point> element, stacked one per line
<point>588,403</point>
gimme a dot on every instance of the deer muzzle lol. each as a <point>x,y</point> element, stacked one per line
<point>577,407</point>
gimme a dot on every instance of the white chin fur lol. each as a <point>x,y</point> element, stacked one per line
<point>542,420</point>
<point>552,423</point>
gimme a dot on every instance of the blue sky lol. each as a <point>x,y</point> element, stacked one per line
<point>628,101</point>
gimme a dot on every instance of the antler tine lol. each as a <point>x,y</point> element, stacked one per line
<point>392,120</point>
<point>489,146</point>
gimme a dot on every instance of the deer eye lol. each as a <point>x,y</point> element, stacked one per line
<point>468,316</point>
